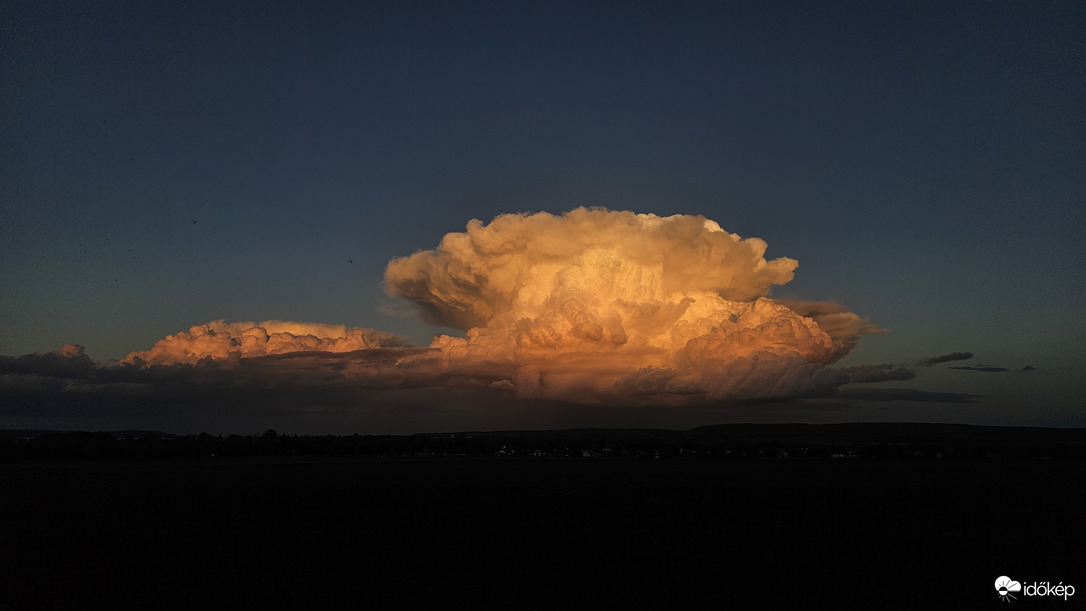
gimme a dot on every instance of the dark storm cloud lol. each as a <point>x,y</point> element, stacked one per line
<point>69,362</point>
<point>398,390</point>
<point>944,358</point>
<point>304,378</point>
<point>992,369</point>
<point>361,388</point>
<point>300,383</point>
<point>877,373</point>
<point>962,356</point>
<point>856,395</point>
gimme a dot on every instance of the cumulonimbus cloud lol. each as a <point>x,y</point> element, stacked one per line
<point>590,306</point>
<point>603,306</point>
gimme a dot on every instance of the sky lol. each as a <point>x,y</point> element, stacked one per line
<point>168,165</point>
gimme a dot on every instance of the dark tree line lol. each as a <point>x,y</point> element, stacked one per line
<point>587,444</point>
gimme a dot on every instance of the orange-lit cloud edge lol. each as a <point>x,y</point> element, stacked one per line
<point>592,306</point>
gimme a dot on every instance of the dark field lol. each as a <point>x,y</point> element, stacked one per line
<point>489,533</point>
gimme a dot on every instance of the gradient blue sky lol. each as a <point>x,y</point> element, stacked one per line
<point>925,162</point>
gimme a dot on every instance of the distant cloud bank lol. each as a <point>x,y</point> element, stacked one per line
<point>220,340</point>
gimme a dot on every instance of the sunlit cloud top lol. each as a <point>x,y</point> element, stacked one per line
<point>219,340</point>
<point>518,264</point>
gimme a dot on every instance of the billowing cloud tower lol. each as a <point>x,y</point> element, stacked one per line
<point>616,307</point>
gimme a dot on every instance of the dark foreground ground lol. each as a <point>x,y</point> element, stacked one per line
<point>491,533</point>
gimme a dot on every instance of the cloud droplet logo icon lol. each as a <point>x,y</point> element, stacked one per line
<point>1005,585</point>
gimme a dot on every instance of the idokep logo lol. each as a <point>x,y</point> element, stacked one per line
<point>1006,587</point>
